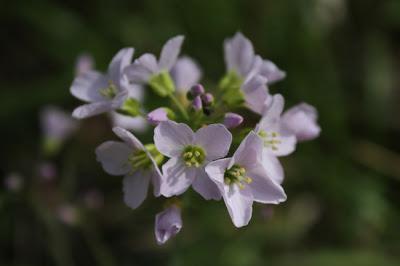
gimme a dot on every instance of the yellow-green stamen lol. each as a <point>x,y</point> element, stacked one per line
<point>271,139</point>
<point>193,156</point>
<point>237,175</point>
<point>110,92</point>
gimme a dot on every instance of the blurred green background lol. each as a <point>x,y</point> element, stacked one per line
<point>343,204</point>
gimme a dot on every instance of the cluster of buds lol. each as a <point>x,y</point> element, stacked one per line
<point>193,129</point>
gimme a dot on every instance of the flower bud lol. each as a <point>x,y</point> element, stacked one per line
<point>208,99</point>
<point>157,115</point>
<point>197,103</point>
<point>232,120</point>
<point>168,223</point>
<point>197,90</point>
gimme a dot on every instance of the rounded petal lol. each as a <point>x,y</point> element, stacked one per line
<point>170,52</point>
<point>185,73</point>
<point>203,185</point>
<point>135,188</point>
<point>301,120</point>
<point>92,109</point>
<point>256,94</point>
<point>239,204</point>
<point>271,72</point>
<point>239,54</point>
<point>170,137</point>
<point>176,177</point>
<point>286,146</point>
<point>216,170</point>
<point>215,139</point>
<point>113,157</point>
<point>263,188</point>
<point>272,114</point>
<point>168,223</point>
<point>249,152</point>
<point>87,85</point>
<point>273,167</point>
<point>121,60</point>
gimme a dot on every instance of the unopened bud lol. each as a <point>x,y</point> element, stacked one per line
<point>197,103</point>
<point>157,115</point>
<point>232,120</point>
<point>197,90</point>
<point>208,99</point>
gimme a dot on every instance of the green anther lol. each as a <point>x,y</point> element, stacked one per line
<point>139,160</point>
<point>237,175</point>
<point>162,84</point>
<point>110,92</point>
<point>193,156</point>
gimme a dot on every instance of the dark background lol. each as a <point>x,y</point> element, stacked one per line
<point>343,204</point>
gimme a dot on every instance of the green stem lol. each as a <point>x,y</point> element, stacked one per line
<point>179,106</point>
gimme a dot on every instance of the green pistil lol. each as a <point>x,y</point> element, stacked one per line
<point>237,175</point>
<point>193,156</point>
<point>110,92</point>
<point>139,160</point>
<point>271,139</point>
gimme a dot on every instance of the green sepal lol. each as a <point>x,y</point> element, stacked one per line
<point>130,107</point>
<point>162,84</point>
<point>229,87</point>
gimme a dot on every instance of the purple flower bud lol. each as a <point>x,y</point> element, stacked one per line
<point>207,98</point>
<point>168,223</point>
<point>157,115</point>
<point>197,103</point>
<point>232,120</point>
<point>197,90</point>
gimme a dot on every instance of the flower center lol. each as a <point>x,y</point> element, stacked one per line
<point>140,160</point>
<point>271,139</point>
<point>237,175</point>
<point>110,92</point>
<point>193,156</point>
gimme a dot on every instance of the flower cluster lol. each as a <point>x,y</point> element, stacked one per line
<point>201,138</point>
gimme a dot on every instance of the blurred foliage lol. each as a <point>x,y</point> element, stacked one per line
<point>343,204</point>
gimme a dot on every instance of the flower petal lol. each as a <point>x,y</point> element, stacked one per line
<point>239,204</point>
<point>301,120</point>
<point>176,177</point>
<point>249,152</point>
<point>141,70</point>
<point>128,138</point>
<point>92,109</point>
<point>87,85</point>
<point>239,54</point>
<point>113,157</point>
<point>135,188</point>
<point>121,60</point>
<point>136,124</point>
<point>215,139</point>
<point>170,137</point>
<point>271,72</point>
<point>170,52</point>
<point>185,73</point>
<point>256,94</point>
<point>263,188</point>
<point>203,185</point>
<point>273,167</point>
<point>168,223</point>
